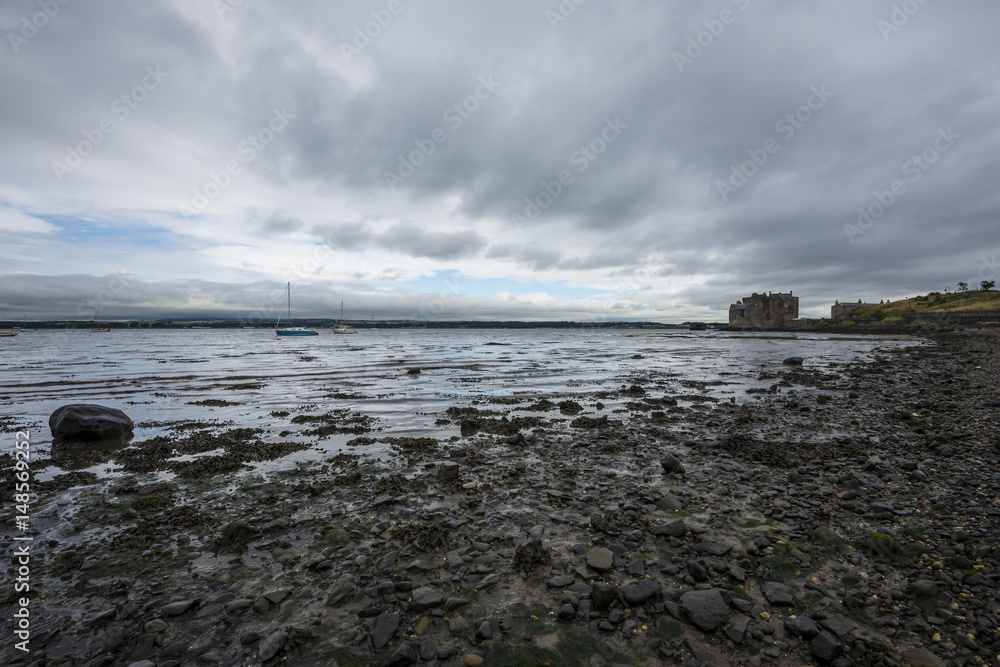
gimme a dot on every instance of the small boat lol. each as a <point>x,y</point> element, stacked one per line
<point>291,331</point>
<point>97,329</point>
<point>24,325</point>
<point>342,328</point>
<point>7,332</point>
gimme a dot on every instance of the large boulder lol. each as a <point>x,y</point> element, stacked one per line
<point>87,422</point>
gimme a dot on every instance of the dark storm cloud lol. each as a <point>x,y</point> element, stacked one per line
<point>712,148</point>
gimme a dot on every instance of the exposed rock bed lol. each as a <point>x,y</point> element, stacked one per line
<point>835,519</point>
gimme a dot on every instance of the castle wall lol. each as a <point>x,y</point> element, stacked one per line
<point>764,311</point>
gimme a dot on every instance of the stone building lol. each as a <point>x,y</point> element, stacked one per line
<point>764,311</point>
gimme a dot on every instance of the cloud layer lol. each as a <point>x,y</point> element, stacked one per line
<point>445,160</point>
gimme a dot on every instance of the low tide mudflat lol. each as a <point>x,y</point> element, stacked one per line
<point>502,498</point>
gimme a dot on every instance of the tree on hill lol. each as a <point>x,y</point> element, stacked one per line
<point>987,285</point>
<point>963,287</point>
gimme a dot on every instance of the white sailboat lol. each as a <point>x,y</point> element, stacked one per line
<point>97,329</point>
<point>24,325</point>
<point>341,328</point>
<point>291,331</point>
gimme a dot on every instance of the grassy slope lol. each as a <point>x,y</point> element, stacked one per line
<point>937,302</point>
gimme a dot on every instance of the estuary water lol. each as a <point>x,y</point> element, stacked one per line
<point>163,377</point>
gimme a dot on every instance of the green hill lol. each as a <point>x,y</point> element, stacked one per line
<point>935,302</point>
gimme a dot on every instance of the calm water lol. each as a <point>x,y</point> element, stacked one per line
<point>155,375</point>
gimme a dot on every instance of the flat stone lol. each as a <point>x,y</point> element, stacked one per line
<point>639,592</point>
<point>669,503</point>
<point>154,626</point>
<point>601,559</point>
<point>706,655</point>
<point>425,598</point>
<point>707,609</point>
<point>838,625</point>
<point>778,593</point>
<point>277,595</point>
<point>824,646</point>
<point>453,603</point>
<point>560,581</point>
<point>711,548</point>
<point>383,629</point>
<point>675,528</point>
<point>918,657</point>
<point>177,608</point>
<point>339,591</point>
<point>271,645</point>
<point>801,626</point>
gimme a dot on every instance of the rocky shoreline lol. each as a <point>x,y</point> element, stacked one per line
<point>845,518</point>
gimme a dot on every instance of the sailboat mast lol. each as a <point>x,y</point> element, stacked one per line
<point>289,303</point>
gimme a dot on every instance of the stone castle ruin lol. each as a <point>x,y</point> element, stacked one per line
<point>764,311</point>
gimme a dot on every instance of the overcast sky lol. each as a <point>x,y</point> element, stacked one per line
<point>530,159</point>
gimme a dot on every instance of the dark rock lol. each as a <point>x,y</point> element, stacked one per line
<point>87,422</point>
<point>801,626</point>
<point>671,464</point>
<point>918,657</point>
<point>271,645</point>
<point>637,593</point>
<point>824,646</point>
<point>707,609</point>
<point>793,361</point>
<point>838,625</point>
<point>560,581</point>
<point>448,471</point>
<point>566,613</point>
<point>531,554</point>
<point>777,593</point>
<point>105,642</point>
<point>675,528</point>
<point>453,603</point>
<point>425,598</point>
<point>428,650</point>
<point>697,570</point>
<point>601,559</point>
<point>484,631</point>
<point>669,503</point>
<point>603,594</point>
<point>404,656</point>
<point>711,548</point>
<point>706,655</point>
<point>383,629</point>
